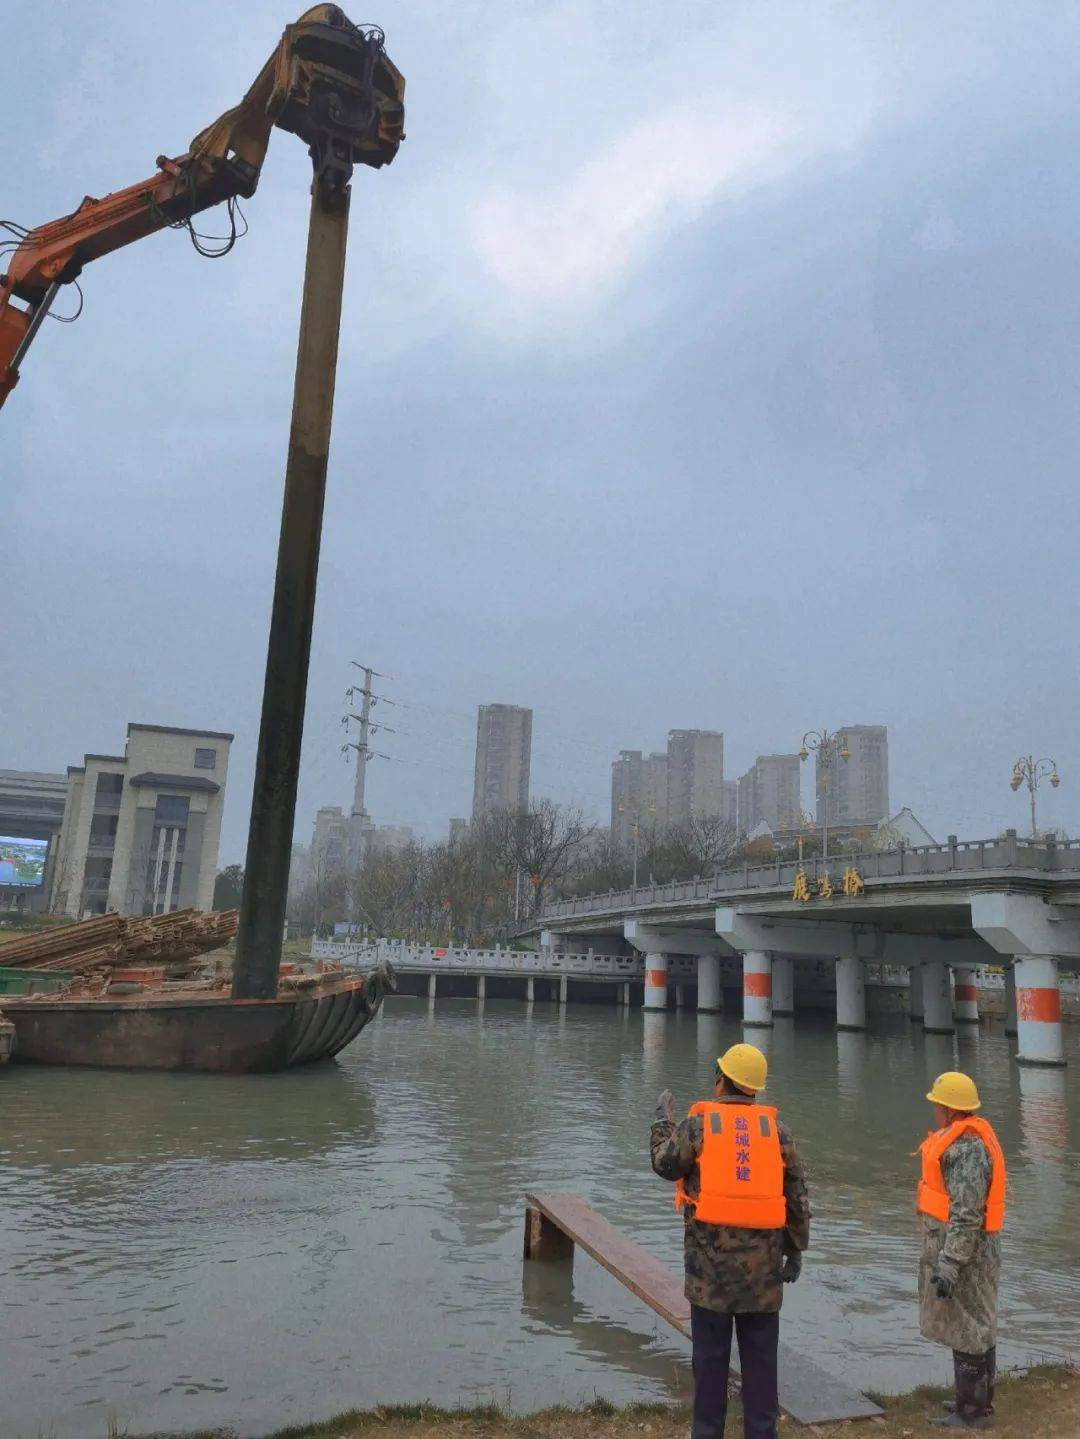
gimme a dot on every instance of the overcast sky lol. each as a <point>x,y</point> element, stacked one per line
<point>703,365</point>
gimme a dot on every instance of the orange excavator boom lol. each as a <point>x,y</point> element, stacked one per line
<point>329,81</point>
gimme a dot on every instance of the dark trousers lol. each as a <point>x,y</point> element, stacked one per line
<point>758,1335</point>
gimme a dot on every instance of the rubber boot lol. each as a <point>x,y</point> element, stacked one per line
<point>949,1405</point>
<point>972,1408</point>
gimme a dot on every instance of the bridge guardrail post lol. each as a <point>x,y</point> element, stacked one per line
<point>952,843</point>
<point>1010,848</point>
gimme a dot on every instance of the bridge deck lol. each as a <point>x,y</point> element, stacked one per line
<point>554,1223</point>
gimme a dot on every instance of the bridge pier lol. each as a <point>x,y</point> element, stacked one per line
<point>624,994</point>
<point>1038,1010</point>
<point>783,985</point>
<point>1035,934</point>
<point>966,996</point>
<point>937,998</point>
<point>757,988</point>
<point>563,987</point>
<point>656,981</point>
<point>1010,1000</point>
<point>680,995</point>
<point>915,999</point>
<point>850,992</point>
<point>481,986</point>
<point>432,985</point>
<point>710,999</point>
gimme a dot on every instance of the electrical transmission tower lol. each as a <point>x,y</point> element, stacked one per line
<point>359,820</point>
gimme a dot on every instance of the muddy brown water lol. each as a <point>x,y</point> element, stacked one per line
<point>181,1251</point>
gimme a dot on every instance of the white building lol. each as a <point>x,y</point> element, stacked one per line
<point>140,830</point>
<point>903,827</point>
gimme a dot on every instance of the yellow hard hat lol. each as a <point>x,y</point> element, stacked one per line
<point>955,1091</point>
<point>745,1066</point>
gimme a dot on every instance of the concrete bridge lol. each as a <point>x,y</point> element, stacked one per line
<point>941,912</point>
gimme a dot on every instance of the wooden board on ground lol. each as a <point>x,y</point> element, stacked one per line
<point>808,1393</point>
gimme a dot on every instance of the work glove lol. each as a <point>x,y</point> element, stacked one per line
<point>792,1268</point>
<point>665,1107</point>
<point>946,1273</point>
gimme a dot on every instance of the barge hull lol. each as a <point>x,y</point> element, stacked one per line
<point>212,1033</point>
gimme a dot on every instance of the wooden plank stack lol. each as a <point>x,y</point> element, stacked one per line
<point>175,940</point>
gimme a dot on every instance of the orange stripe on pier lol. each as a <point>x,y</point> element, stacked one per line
<point>757,985</point>
<point>1042,1005</point>
<point>656,978</point>
<point>966,991</point>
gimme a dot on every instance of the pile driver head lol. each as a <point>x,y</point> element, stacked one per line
<point>336,88</point>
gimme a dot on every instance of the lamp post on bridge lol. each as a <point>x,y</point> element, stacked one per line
<point>828,748</point>
<point>1030,771</point>
<point>636,832</point>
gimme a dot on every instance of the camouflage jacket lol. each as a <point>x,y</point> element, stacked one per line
<point>968,1320</point>
<point>733,1271</point>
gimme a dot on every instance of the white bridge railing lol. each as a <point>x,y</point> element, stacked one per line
<point>434,958</point>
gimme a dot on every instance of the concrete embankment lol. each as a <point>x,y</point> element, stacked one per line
<point>1042,1403</point>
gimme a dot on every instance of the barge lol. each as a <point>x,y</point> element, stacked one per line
<point>181,1027</point>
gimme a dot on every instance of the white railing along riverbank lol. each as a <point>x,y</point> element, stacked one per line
<point>429,958</point>
<point>435,959</point>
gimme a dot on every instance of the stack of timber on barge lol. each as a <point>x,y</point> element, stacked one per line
<point>114,942</point>
<point>114,1007</point>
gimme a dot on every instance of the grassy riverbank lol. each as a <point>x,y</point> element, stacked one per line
<point>1038,1405</point>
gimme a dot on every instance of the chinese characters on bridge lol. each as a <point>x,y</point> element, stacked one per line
<point>851,884</point>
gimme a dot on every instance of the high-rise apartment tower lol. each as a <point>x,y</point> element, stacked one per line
<point>769,791</point>
<point>858,786</point>
<point>503,758</point>
<point>638,794</point>
<point>695,774</point>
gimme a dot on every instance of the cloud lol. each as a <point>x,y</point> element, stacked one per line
<point>569,244</point>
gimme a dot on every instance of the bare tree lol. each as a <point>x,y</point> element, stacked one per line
<point>540,843</point>
<point>602,864</point>
<point>702,844</point>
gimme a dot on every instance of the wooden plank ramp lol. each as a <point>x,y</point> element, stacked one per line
<point>556,1223</point>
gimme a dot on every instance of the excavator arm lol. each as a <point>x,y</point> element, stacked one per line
<point>329,82</point>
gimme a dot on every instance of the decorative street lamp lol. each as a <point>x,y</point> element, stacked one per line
<point>1030,771</point>
<point>636,831</point>
<point>828,748</point>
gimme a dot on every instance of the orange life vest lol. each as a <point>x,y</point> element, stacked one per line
<point>932,1197</point>
<point>741,1168</point>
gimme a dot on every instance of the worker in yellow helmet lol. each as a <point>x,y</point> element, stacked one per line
<point>740,1186</point>
<point>961,1201</point>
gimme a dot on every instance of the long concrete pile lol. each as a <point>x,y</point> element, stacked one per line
<point>116,942</point>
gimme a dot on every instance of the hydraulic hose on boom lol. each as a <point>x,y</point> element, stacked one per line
<point>329,81</point>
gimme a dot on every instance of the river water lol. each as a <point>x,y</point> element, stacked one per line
<point>182,1251</point>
